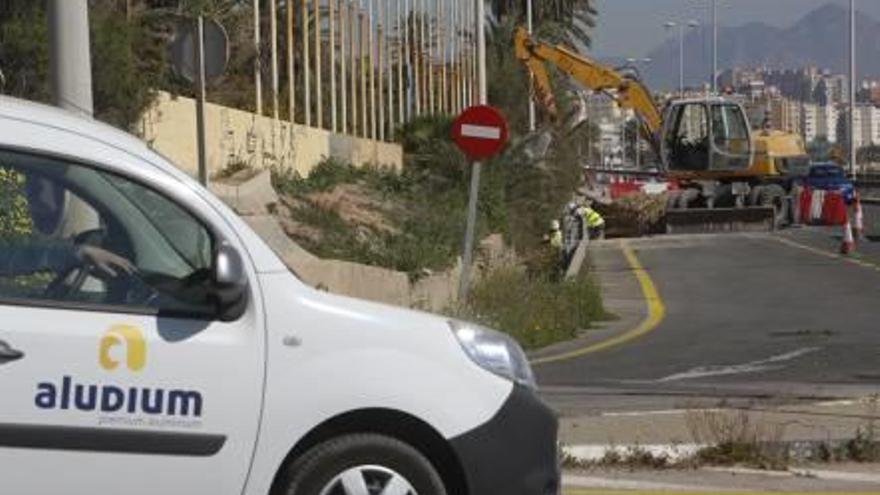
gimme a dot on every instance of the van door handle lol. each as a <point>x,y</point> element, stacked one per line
<point>7,353</point>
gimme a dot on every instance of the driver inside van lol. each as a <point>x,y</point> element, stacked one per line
<point>31,209</point>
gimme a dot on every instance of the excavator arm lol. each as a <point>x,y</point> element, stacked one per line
<point>630,93</point>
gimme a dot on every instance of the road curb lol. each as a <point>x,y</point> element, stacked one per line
<point>593,453</point>
<point>591,483</point>
<point>798,450</point>
<point>819,474</point>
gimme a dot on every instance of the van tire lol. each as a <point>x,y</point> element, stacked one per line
<point>318,467</point>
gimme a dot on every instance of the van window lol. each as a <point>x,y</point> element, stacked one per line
<point>70,234</point>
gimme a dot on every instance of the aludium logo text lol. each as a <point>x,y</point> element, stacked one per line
<point>120,399</point>
<point>116,399</point>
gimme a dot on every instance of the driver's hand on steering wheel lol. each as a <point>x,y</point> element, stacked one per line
<point>108,263</point>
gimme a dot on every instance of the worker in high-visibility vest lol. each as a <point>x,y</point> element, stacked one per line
<point>554,237</point>
<point>556,243</point>
<point>594,222</point>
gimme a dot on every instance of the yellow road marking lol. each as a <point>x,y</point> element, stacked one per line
<point>656,313</point>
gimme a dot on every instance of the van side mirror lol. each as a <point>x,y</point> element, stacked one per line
<point>230,283</point>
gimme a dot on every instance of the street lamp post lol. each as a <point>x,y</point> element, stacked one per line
<point>715,47</point>
<point>633,62</point>
<point>530,25</point>
<point>681,32</point>
<point>852,88</point>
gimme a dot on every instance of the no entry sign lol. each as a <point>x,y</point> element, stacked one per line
<point>480,132</point>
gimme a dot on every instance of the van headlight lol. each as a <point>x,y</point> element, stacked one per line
<point>495,352</point>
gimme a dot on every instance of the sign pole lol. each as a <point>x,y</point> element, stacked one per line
<point>199,46</point>
<point>467,259</point>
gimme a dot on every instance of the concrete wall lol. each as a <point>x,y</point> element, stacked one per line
<point>254,199</point>
<point>238,136</point>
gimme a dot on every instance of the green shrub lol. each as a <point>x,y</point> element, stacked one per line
<point>536,310</point>
<point>15,218</point>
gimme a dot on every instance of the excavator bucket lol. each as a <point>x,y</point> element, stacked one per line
<point>716,220</point>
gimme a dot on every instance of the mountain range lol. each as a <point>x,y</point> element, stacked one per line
<point>819,37</point>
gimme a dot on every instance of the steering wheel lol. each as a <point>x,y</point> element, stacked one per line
<point>122,286</point>
<point>73,278</point>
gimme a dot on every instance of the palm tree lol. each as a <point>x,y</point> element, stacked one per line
<point>564,21</point>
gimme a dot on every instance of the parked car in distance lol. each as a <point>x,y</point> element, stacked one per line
<point>828,176</point>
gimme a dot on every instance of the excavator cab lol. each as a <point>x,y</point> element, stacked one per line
<point>711,135</point>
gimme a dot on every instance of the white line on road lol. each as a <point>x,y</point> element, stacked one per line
<point>830,475</point>
<point>736,369</point>
<point>662,412</point>
<point>480,132</point>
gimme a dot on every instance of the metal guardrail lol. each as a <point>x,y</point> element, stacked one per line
<point>577,259</point>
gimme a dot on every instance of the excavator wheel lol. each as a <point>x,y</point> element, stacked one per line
<point>774,195</point>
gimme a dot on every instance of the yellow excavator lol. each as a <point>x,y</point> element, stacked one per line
<point>706,145</point>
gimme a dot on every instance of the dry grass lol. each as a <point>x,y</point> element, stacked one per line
<point>356,205</point>
<point>738,437</point>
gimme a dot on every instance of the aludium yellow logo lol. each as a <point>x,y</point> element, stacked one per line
<point>132,342</point>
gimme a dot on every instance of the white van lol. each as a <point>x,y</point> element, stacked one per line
<point>151,343</point>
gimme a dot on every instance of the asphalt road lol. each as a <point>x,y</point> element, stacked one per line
<point>750,316</point>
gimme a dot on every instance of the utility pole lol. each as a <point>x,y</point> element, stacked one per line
<point>291,68</point>
<point>332,34</point>
<point>319,85</point>
<point>475,60</point>
<point>482,96</point>
<point>429,63</point>
<point>307,65</point>
<point>201,97</point>
<point>715,47</point>
<point>273,32</point>
<point>364,62</point>
<point>416,59</point>
<point>442,19</point>
<point>401,97</point>
<point>372,63</point>
<point>70,66</point>
<point>681,32</point>
<point>380,34</point>
<point>407,53</point>
<point>258,64</point>
<point>343,80</point>
<point>457,57</point>
<point>389,70</point>
<point>353,27</point>
<point>853,152</point>
<point>530,26</point>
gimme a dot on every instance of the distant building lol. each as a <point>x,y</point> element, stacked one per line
<point>867,126</point>
<point>819,122</point>
<point>611,121</point>
<point>838,89</point>
<point>601,107</point>
<point>785,115</point>
<point>868,123</point>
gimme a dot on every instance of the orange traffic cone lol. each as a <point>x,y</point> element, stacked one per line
<point>859,226</point>
<point>849,244</point>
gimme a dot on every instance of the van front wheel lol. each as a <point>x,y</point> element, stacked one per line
<point>363,464</point>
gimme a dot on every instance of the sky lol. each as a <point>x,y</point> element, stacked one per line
<point>632,28</point>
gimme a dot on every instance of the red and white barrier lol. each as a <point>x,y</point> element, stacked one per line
<point>818,207</point>
<point>619,190</point>
<point>859,226</point>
